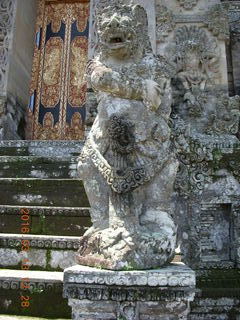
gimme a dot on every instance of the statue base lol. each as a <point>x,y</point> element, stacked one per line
<point>97,294</point>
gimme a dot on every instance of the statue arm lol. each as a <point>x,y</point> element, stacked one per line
<point>106,80</point>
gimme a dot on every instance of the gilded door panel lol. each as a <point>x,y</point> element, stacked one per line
<point>52,72</point>
<point>58,88</point>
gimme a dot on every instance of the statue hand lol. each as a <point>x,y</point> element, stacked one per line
<point>152,94</point>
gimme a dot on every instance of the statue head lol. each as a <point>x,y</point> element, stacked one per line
<point>194,49</point>
<point>122,31</point>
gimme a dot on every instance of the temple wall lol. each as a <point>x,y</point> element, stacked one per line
<point>17,42</point>
<point>21,54</point>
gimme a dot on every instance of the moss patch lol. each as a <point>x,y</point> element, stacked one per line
<point>42,304</point>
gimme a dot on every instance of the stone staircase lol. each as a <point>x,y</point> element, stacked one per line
<point>39,177</point>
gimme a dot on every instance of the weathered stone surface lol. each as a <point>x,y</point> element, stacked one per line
<point>9,257</point>
<point>127,163</point>
<point>43,287</point>
<point>46,211</point>
<point>42,192</point>
<point>13,317</point>
<point>62,259</point>
<point>45,252</point>
<point>65,149</point>
<point>15,64</point>
<point>38,167</point>
<point>132,295</point>
<point>176,274</point>
<point>205,121</point>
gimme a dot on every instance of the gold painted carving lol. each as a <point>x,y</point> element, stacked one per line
<point>73,132</point>
<point>58,13</point>
<point>58,71</point>
<point>78,85</point>
<point>52,72</point>
<point>48,131</point>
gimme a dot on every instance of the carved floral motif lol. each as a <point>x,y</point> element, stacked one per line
<point>164,21</point>
<point>58,70</point>
<point>78,62</point>
<point>205,121</point>
<point>52,72</point>
<point>49,130</point>
<point>188,4</point>
<point>216,20</point>
<point>72,130</point>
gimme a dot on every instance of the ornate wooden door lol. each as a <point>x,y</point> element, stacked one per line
<point>58,88</point>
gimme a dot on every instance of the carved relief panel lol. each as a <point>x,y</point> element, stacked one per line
<point>58,88</point>
<point>205,16</point>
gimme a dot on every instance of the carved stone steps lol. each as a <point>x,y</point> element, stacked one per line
<point>46,220</point>
<point>39,176</point>
<point>215,308</point>
<point>44,192</point>
<point>46,211</point>
<point>38,167</point>
<point>44,252</point>
<point>40,148</point>
<point>44,287</point>
<point>13,317</point>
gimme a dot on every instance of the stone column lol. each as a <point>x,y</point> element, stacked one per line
<point>17,24</point>
<point>234,15</point>
<point>161,294</point>
<point>7,16</point>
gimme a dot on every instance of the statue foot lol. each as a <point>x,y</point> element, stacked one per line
<point>120,250</point>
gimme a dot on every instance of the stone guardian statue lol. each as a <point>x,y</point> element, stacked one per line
<point>127,164</point>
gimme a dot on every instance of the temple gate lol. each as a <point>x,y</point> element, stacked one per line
<point>58,88</point>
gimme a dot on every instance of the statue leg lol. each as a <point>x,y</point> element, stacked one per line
<point>157,213</point>
<point>160,189</point>
<point>97,192</point>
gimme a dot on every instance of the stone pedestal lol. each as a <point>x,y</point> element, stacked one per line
<point>160,294</point>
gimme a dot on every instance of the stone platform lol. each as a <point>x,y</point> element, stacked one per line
<point>161,294</point>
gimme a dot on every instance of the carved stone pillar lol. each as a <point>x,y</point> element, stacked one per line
<point>234,17</point>
<point>7,15</point>
<point>16,51</point>
<point>130,295</point>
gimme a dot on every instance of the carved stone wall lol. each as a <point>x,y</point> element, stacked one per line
<point>233,8</point>
<point>133,295</point>
<point>209,16</point>
<point>193,36</point>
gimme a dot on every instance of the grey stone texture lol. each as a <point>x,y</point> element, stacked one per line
<point>45,252</point>
<point>16,32</point>
<point>204,125</point>
<point>233,8</point>
<point>131,295</point>
<point>205,121</point>
<point>194,35</point>
<point>127,165</point>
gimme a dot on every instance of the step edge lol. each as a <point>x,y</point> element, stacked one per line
<point>33,275</point>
